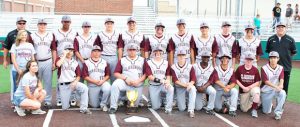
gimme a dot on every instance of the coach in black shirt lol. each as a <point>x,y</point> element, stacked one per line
<point>285,46</point>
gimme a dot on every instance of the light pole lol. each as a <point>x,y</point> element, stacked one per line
<point>177,8</point>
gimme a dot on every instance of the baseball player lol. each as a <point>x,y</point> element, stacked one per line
<point>130,74</point>
<point>132,35</point>
<point>68,80</point>
<point>30,94</point>
<point>226,43</point>
<point>249,43</point>
<point>96,72</point>
<point>182,40</point>
<point>183,75</point>
<point>64,36</point>
<point>44,45</point>
<point>158,39</point>
<point>9,41</point>
<point>205,43</point>
<point>248,79</point>
<point>159,74</point>
<point>206,76</point>
<point>108,40</point>
<point>83,44</point>
<point>226,88</point>
<point>272,75</point>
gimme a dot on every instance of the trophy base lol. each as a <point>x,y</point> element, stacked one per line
<point>131,110</point>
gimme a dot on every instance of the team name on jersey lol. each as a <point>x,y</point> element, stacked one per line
<point>86,46</point>
<point>247,78</point>
<point>67,68</point>
<point>133,66</point>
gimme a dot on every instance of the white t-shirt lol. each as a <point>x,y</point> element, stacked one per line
<point>23,54</point>
<point>27,80</point>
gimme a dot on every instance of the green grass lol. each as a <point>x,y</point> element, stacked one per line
<point>294,86</point>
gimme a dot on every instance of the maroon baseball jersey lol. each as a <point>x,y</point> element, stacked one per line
<point>247,77</point>
<point>96,70</point>
<point>43,44</point>
<point>159,70</point>
<point>227,45</point>
<point>127,37</point>
<point>132,69</point>
<point>68,71</point>
<point>272,75</point>
<point>201,45</point>
<point>182,42</point>
<point>184,74</point>
<point>154,41</point>
<point>205,75</point>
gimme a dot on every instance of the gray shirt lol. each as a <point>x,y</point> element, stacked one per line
<point>289,12</point>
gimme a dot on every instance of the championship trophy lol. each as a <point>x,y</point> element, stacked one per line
<point>132,96</point>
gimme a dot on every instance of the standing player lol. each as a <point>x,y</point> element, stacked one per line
<point>83,44</point>
<point>226,88</point>
<point>64,36</point>
<point>96,72</point>
<point>205,43</point>
<point>272,76</point>
<point>182,41</point>
<point>108,40</point>
<point>206,76</point>
<point>68,80</point>
<point>249,43</point>
<point>130,74</point>
<point>44,45</point>
<point>159,74</point>
<point>9,41</point>
<point>30,93</point>
<point>248,79</point>
<point>183,75</point>
<point>158,39</point>
<point>226,43</point>
<point>132,35</point>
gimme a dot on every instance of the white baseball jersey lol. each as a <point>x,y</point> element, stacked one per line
<point>68,71</point>
<point>96,70</point>
<point>159,70</point>
<point>162,42</point>
<point>63,39</point>
<point>225,44</point>
<point>246,46</point>
<point>183,74</point>
<point>85,45</point>
<point>203,46</point>
<point>224,76</point>
<point>182,43</point>
<point>272,75</point>
<point>109,42</point>
<point>26,80</point>
<point>42,45</point>
<point>203,74</point>
<point>132,69</point>
<point>23,53</point>
<point>128,37</point>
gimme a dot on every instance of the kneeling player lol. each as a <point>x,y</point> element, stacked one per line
<point>206,76</point>
<point>272,76</point>
<point>248,79</point>
<point>159,74</point>
<point>183,75</point>
<point>226,88</point>
<point>68,80</point>
<point>96,72</point>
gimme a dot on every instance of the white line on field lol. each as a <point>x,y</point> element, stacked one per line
<point>114,120</point>
<point>162,122</point>
<point>48,118</point>
<point>226,120</point>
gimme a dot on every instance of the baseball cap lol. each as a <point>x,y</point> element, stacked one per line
<point>132,46</point>
<point>225,55</point>
<point>19,19</point>
<point>249,26</point>
<point>69,47</point>
<point>158,48</point>
<point>280,24</point>
<point>273,53</point>
<point>96,47</point>
<point>205,53</point>
<point>203,24</point>
<point>181,52</point>
<point>226,23</point>
<point>86,23</point>
<point>180,21</point>
<point>249,56</point>
<point>66,18</point>
<point>109,19</point>
<point>131,19</point>
<point>42,21</point>
<point>160,24</point>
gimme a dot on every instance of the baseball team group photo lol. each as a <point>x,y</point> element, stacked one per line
<point>151,63</point>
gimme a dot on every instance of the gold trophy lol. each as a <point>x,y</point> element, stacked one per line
<point>132,96</point>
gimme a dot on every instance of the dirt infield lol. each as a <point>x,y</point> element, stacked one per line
<point>177,119</point>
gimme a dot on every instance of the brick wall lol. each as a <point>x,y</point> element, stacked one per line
<point>32,6</point>
<point>119,7</point>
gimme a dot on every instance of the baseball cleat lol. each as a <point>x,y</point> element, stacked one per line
<point>254,113</point>
<point>38,112</point>
<point>232,113</point>
<point>58,103</point>
<point>191,114</point>
<point>277,116</point>
<point>112,111</point>
<point>73,103</point>
<point>104,108</point>
<point>86,111</point>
